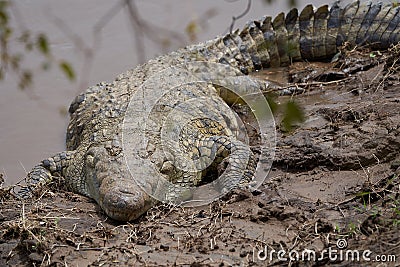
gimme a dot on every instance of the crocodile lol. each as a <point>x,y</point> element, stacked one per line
<point>95,162</point>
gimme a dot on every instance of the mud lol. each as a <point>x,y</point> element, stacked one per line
<point>334,188</point>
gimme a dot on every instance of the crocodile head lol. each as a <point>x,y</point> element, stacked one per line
<point>112,186</point>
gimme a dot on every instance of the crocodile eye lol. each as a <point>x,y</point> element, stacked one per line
<point>90,161</point>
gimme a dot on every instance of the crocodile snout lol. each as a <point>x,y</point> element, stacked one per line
<point>122,204</point>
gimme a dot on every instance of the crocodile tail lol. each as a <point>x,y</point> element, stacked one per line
<point>312,34</point>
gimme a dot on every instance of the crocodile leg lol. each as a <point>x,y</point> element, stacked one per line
<point>43,173</point>
<point>241,164</point>
<point>209,152</point>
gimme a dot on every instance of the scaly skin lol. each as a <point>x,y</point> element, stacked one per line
<point>94,163</point>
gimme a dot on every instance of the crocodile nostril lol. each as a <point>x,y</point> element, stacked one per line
<point>126,191</point>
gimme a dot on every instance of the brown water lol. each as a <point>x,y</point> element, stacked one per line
<point>33,122</point>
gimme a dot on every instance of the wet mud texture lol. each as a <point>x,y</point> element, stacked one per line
<point>335,178</point>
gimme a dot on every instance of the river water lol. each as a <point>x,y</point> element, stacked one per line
<point>33,121</point>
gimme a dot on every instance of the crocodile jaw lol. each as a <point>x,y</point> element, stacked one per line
<point>124,204</point>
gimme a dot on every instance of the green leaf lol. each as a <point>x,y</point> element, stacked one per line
<point>273,105</point>
<point>191,30</point>
<point>3,17</point>
<point>68,70</point>
<point>293,114</point>
<point>3,13</point>
<point>292,3</point>
<point>25,79</point>
<point>5,33</point>
<point>42,44</point>
<point>15,61</point>
<point>24,37</point>
<point>3,4</point>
